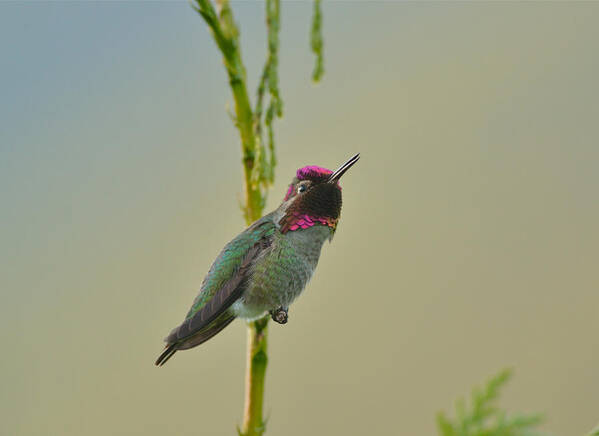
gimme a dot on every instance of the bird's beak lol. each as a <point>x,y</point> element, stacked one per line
<point>343,168</point>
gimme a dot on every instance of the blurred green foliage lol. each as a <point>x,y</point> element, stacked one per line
<point>482,417</point>
<point>316,42</point>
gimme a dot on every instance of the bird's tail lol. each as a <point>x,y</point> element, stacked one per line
<point>166,354</point>
<point>201,336</point>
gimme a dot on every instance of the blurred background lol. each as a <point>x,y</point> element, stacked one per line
<point>468,240</point>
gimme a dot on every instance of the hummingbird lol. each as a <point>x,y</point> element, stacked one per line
<point>267,266</point>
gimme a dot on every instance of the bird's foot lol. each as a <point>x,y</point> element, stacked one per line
<point>280,315</point>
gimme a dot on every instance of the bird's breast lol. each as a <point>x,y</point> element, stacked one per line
<point>281,273</point>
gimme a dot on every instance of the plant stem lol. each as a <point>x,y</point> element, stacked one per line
<point>226,35</point>
<point>316,42</point>
<point>257,173</point>
<point>269,78</point>
<point>257,360</point>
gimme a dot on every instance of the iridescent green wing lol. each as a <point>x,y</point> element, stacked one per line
<point>226,279</point>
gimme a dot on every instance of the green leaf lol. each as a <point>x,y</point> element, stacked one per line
<point>482,416</point>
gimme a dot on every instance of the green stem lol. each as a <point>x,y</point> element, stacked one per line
<point>258,170</point>
<point>275,107</point>
<point>257,174</point>
<point>257,360</point>
<point>226,35</point>
<point>316,42</point>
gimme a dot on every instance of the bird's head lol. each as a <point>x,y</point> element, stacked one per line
<point>314,197</point>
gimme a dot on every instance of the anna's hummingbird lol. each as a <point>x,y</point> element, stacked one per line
<point>268,265</point>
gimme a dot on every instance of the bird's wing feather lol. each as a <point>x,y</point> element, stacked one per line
<point>226,279</point>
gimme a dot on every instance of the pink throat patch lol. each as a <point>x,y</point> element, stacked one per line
<point>302,221</point>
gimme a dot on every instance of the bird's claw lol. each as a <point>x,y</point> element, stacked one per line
<point>280,315</point>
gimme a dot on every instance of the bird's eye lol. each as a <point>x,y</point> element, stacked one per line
<point>301,188</point>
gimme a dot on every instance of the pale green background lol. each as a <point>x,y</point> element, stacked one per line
<point>468,242</point>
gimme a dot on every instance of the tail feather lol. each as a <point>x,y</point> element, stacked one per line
<point>195,339</point>
<point>209,332</point>
<point>166,354</point>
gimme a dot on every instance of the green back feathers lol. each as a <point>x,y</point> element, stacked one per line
<point>230,259</point>
<point>223,285</point>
